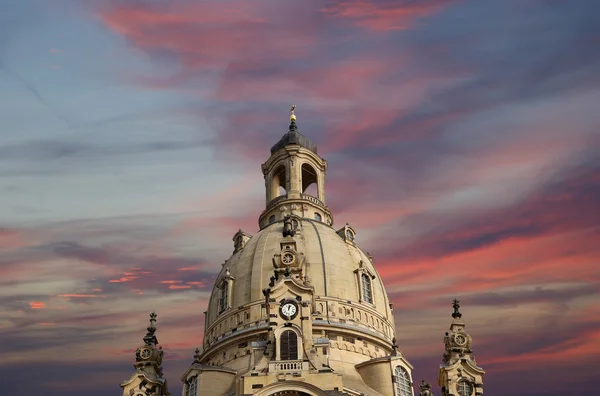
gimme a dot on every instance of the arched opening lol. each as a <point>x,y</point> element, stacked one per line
<point>291,388</point>
<point>279,182</point>
<point>288,345</point>
<point>367,293</point>
<point>464,388</point>
<point>403,386</point>
<point>309,181</point>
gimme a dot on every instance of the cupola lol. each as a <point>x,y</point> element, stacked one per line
<point>294,179</point>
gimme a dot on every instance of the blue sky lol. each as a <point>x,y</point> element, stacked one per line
<point>461,137</point>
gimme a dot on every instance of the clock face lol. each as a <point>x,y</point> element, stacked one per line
<point>287,258</point>
<point>145,353</point>
<point>289,310</point>
<point>460,339</point>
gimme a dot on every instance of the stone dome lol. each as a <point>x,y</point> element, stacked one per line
<point>299,299</point>
<point>333,267</point>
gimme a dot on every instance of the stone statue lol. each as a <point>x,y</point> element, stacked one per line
<point>456,314</point>
<point>425,389</point>
<point>288,227</point>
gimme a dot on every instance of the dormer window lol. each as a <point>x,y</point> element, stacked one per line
<point>367,291</point>
<point>224,289</point>
<point>239,240</point>
<point>347,233</point>
<point>364,278</point>
<point>318,217</point>
<point>223,297</point>
<point>237,244</point>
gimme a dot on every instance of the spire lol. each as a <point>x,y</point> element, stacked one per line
<point>148,376</point>
<point>150,339</point>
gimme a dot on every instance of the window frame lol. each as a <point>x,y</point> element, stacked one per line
<point>290,343</point>
<point>403,384</point>
<point>224,298</point>
<point>191,387</point>
<point>461,390</point>
<point>366,284</point>
<point>360,271</point>
<point>300,344</point>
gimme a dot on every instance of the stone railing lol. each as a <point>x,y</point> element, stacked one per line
<point>287,366</point>
<point>312,199</point>
<point>275,201</point>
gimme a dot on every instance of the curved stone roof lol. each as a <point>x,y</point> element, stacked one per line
<point>332,265</point>
<point>294,137</point>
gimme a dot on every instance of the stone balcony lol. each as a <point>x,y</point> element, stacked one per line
<point>287,366</point>
<point>303,205</point>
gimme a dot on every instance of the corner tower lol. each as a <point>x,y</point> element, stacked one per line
<point>148,377</point>
<point>293,169</point>
<point>459,374</point>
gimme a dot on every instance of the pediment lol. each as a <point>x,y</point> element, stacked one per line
<point>289,285</point>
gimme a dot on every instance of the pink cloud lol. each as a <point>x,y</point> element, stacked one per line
<point>37,304</point>
<point>179,287</point>
<point>397,16</point>
<point>171,282</point>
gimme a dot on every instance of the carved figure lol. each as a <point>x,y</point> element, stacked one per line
<point>456,306</point>
<point>425,389</point>
<point>288,227</point>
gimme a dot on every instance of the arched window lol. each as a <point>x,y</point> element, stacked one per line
<point>279,184</point>
<point>288,345</point>
<point>318,217</point>
<point>224,297</point>
<point>367,293</point>
<point>464,388</point>
<point>403,386</point>
<point>309,180</point>
<point>272,219</point>
<point>191,386</point>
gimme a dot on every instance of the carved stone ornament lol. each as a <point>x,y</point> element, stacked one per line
<point>288,227</point>
<point>425,389</point>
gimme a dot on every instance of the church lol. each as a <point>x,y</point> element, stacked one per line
<point>299,309</point>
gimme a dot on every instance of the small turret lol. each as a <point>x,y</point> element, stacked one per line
<point>459,374</point>
<point>148,377</point>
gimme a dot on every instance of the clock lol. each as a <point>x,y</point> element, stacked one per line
<point>145,353</point>
<point>288,309</point>
<point>287,258</point>
<point>460,339</point>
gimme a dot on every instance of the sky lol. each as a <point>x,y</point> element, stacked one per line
<point>462,138</point>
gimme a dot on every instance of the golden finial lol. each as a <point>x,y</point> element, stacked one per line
<point>292,115</point>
